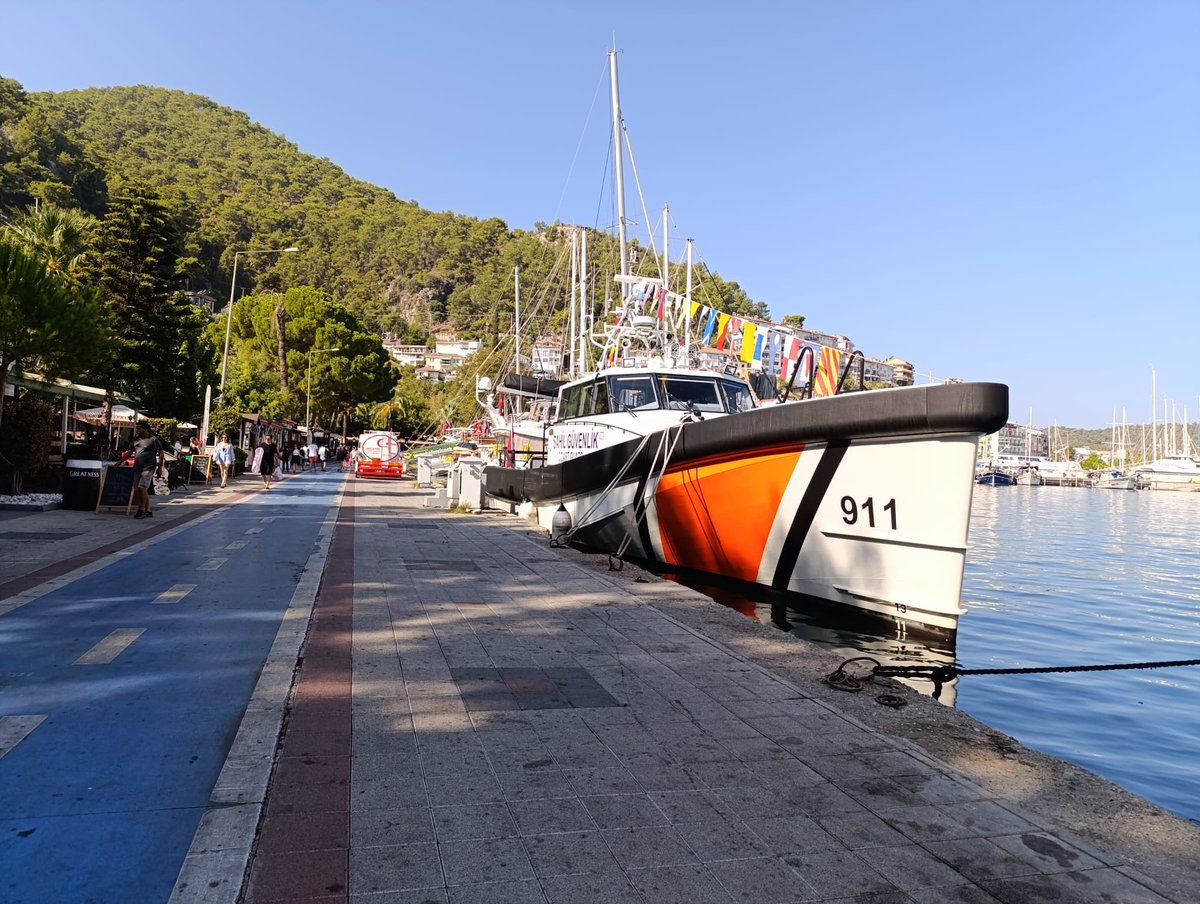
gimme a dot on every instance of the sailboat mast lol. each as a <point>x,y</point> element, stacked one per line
<point>517,319</point>
<point>574,284</point>
<point>619,164</point>
<point>583,303</point>
<point>687,302</point>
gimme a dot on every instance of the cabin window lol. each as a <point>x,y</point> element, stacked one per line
<point>632,393</point>
<point>737,396</point>
<point>598,397</point>
<point>572,401</point>
<point>694,393</point>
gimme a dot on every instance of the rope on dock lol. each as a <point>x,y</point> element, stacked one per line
<point>844,680</point>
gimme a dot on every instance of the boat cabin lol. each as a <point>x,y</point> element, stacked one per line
<point>613,391</point>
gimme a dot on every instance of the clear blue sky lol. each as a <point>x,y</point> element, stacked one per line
<point>994,191</point>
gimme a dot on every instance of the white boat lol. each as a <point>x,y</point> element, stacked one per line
<point>859,498</point>
<point>1171,472</point>
<point>1027,477</point>
<point>1115,480</point>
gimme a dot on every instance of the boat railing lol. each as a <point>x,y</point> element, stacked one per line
<point>806,390</point>
<point>855,355</point>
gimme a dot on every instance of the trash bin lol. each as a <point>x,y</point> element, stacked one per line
<point>81,485</point>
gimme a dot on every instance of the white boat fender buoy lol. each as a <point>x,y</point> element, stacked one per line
<point>526,509</point>
<point>561,523</point>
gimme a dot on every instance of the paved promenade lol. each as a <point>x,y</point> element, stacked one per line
<point>477,717</point>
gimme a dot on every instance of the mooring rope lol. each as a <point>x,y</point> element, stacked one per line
<point>843,680</point>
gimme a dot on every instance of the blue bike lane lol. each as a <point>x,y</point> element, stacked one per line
<point>121,693</point>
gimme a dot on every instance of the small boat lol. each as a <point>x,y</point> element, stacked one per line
<point>995,477</point>
<point>858,498</point>
<point>1171,472</point>
<point>1027,477</point>
<point>1115,480</point>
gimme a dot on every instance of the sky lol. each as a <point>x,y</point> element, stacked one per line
<point>992,191</point>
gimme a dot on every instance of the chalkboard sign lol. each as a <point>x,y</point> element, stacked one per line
<point>116,488</point>
<point>201,470</point>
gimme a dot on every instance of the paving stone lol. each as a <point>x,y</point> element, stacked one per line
<point>722,839</point>
<point>615,811</point>
<point>765,880</point>
<point>394,868</point>
<point>1102,886</point>
<point>789,834</point>
<point>491,859</point>
<point>684,884</point>
<point>590,888</point>
<point>534,784</point>
<point>645,847</point>
<point>861,830</point>
<point>523,891</point>
<point>374,828</point>
<point>535,817</point>
<point>570,853</point>
<point>465,821</point>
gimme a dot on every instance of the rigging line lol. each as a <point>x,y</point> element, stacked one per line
<point>579,145</point>
<point>608,489</point>
<point>641,514</point>
<point>641,197</point>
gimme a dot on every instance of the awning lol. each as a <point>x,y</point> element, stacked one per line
<point>65,388</point>
<point>186,426</point>
<point>122,416</point>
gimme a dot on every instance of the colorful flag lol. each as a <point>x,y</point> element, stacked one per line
<point>722,329</point>
<point>758,349</point>
<point>748,331</point>
<point>828,372</point>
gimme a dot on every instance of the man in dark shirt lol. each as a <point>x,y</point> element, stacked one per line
<point>147,459</point>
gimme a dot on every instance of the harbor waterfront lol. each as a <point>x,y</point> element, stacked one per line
<point>1061,576</point>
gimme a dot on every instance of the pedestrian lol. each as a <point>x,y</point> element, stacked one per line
<point>148,457</point>
<point>285,460</point>
<point>297,457</point>
<point>268,461</point>
<point>323,455</point>
<point>340,456</point>
<point>223,456</point>
<point>312,454</point>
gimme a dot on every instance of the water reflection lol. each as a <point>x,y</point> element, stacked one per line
<point>843,631</point>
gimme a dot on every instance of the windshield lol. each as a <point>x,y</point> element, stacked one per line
<point>633,393</point>
<point>694,393</point>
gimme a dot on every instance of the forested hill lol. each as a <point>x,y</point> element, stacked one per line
<point>236,185</point>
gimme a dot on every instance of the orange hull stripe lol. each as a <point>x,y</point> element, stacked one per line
<point>717,517</point>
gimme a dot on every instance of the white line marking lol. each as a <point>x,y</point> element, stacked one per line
<point>237,544</point>
<point>175,594</point>
<point>212,564</point>
<point>267,520</point>
<point>111,647</point>
<point>254,530</point>
<point>14,729</point>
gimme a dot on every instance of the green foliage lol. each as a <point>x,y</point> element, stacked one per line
<point>796,320</point>
<point>359,372</point>
<point>165,428</point>
<point>160,355</point>
<point>28,428</point>
<point>44,321</point>
<point>1093,463</point>
<point>224,419</point>
<point>38,162</point>
<point>58,236</point>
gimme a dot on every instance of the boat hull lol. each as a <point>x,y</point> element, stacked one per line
<point>861,499</point>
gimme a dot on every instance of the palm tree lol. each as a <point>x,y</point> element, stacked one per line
<point>43,319</point>
<point>58,236</point>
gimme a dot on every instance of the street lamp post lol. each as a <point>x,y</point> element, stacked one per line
<point>308,391</point>
<point>229,311</point>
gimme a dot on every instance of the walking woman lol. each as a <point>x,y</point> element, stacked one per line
<point>223,456</point>
<point>270,458</point>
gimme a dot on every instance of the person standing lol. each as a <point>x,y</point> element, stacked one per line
<point>312,454</point>
<point>340,457</point>
<point>268,460</point>
<point>223,456</point>
<point>148,457</point>
<point>297,457</point>
<point>323,456</point>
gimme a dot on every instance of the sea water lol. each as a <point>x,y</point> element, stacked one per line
<point>1064,576</point>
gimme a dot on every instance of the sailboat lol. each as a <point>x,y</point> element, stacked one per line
<point>858,498</point>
